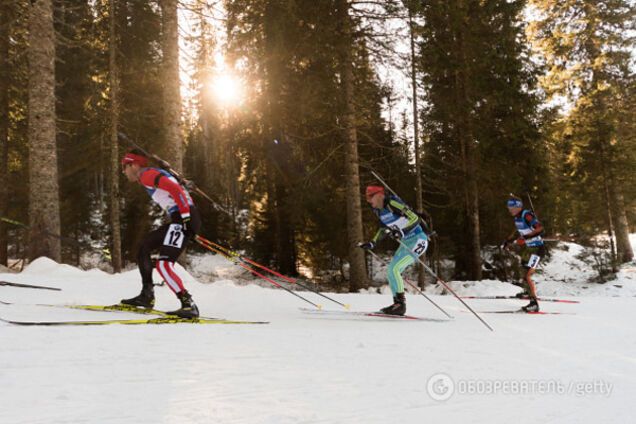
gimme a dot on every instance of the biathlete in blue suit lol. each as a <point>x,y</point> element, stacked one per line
<point>404,225</point>
<point>527,235</point>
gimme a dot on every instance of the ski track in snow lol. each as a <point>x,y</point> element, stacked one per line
<point>303,368</point>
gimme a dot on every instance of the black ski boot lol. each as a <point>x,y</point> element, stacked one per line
<point>533,306</point>
<point>398,307</point>
<point>146,299</point>
<point>188,307</point>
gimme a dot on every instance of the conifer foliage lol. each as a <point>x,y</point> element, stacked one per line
<point>279,110</point>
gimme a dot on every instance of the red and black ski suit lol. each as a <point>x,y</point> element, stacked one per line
<point>170,239</point>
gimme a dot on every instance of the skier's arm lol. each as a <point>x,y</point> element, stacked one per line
<point>154,178</point>
<point>509,239</point>
<point>379,235</point>
<point>512,236</point>
<point>533,222</point>
<point>412,217</point>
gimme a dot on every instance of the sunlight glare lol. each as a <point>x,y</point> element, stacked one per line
<point>227,90</point>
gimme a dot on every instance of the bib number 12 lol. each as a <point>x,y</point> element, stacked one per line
<point>174,236</point>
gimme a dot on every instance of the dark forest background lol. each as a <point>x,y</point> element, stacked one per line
<point>536,98</point>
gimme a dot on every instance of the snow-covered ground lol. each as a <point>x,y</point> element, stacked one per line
<point>578,367</point>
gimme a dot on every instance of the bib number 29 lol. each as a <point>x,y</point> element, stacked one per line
<point>174,237</point>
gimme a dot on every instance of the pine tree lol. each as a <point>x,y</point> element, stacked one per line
<point>115,222</point>
<point>44,212</point>
<point>480,119</point>
<point>207,147</point>
<point>17,125</point>
<point>587,48</point>
<point>171,82</point>
<point>290,52</point>
<point>412,9</point>
<point>139,25</point>
<point>78,122</point>
<point>358,274</point>
<point>5,22</point>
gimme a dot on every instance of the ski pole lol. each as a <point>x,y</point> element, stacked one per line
<point>290,280</point>
<point>531,205</point>
<point>230,253</point>
<point>379,178</point>
<point>253,271</point>
<point>46,233</point>
<point>430,271</point>
<point>165,165</point>
<point>27,286</point>
<point>415,287</point>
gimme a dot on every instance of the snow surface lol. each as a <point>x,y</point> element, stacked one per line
<point>578,367</point>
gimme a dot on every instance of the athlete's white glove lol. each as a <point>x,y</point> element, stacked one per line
<point>369,245</point>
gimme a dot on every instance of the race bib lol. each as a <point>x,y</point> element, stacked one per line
<point>174,236</point>
<point>420,247</point>
<point>534,261</point>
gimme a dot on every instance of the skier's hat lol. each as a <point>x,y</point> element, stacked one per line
<point>134,157</point>
<point>514,202</point>
<point>373,190</point>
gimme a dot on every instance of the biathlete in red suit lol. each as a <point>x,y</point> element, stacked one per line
<point>170,239</point>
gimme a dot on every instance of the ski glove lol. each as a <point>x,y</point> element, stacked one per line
<point>367,246</point>
<point>186,226</point>
<point>520,241</point>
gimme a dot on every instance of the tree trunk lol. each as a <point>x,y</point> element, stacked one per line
<point>282,201</point>
<point>115,224</point>
<point>472,212</point>
<point>624,250</point>
<point>468,160</point>
<point>610,220</point>
<point>605,176</point>
<point>357,270</point>
<point>277,15</point>
<point>285,235</point>
<point>419,201</point>
<point>171,83</point>
<point>44,204</point>
<point>5,22</point>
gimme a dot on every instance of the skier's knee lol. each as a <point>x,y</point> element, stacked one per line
<point>144,253</point>
<point>163,263</point>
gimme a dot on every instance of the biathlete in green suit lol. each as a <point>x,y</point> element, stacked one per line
<point>404,225</point>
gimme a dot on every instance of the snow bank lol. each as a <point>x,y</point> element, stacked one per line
<point>572,368</point>
<point>568,271</point>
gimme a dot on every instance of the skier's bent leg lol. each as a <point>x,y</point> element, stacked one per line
<point>403,259</point>
<point>146,298</point>
<point>167,272</point>
<point>400,261</point>
<point>188,307</point>
<point>530,286</point>
<point>153,241</point>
